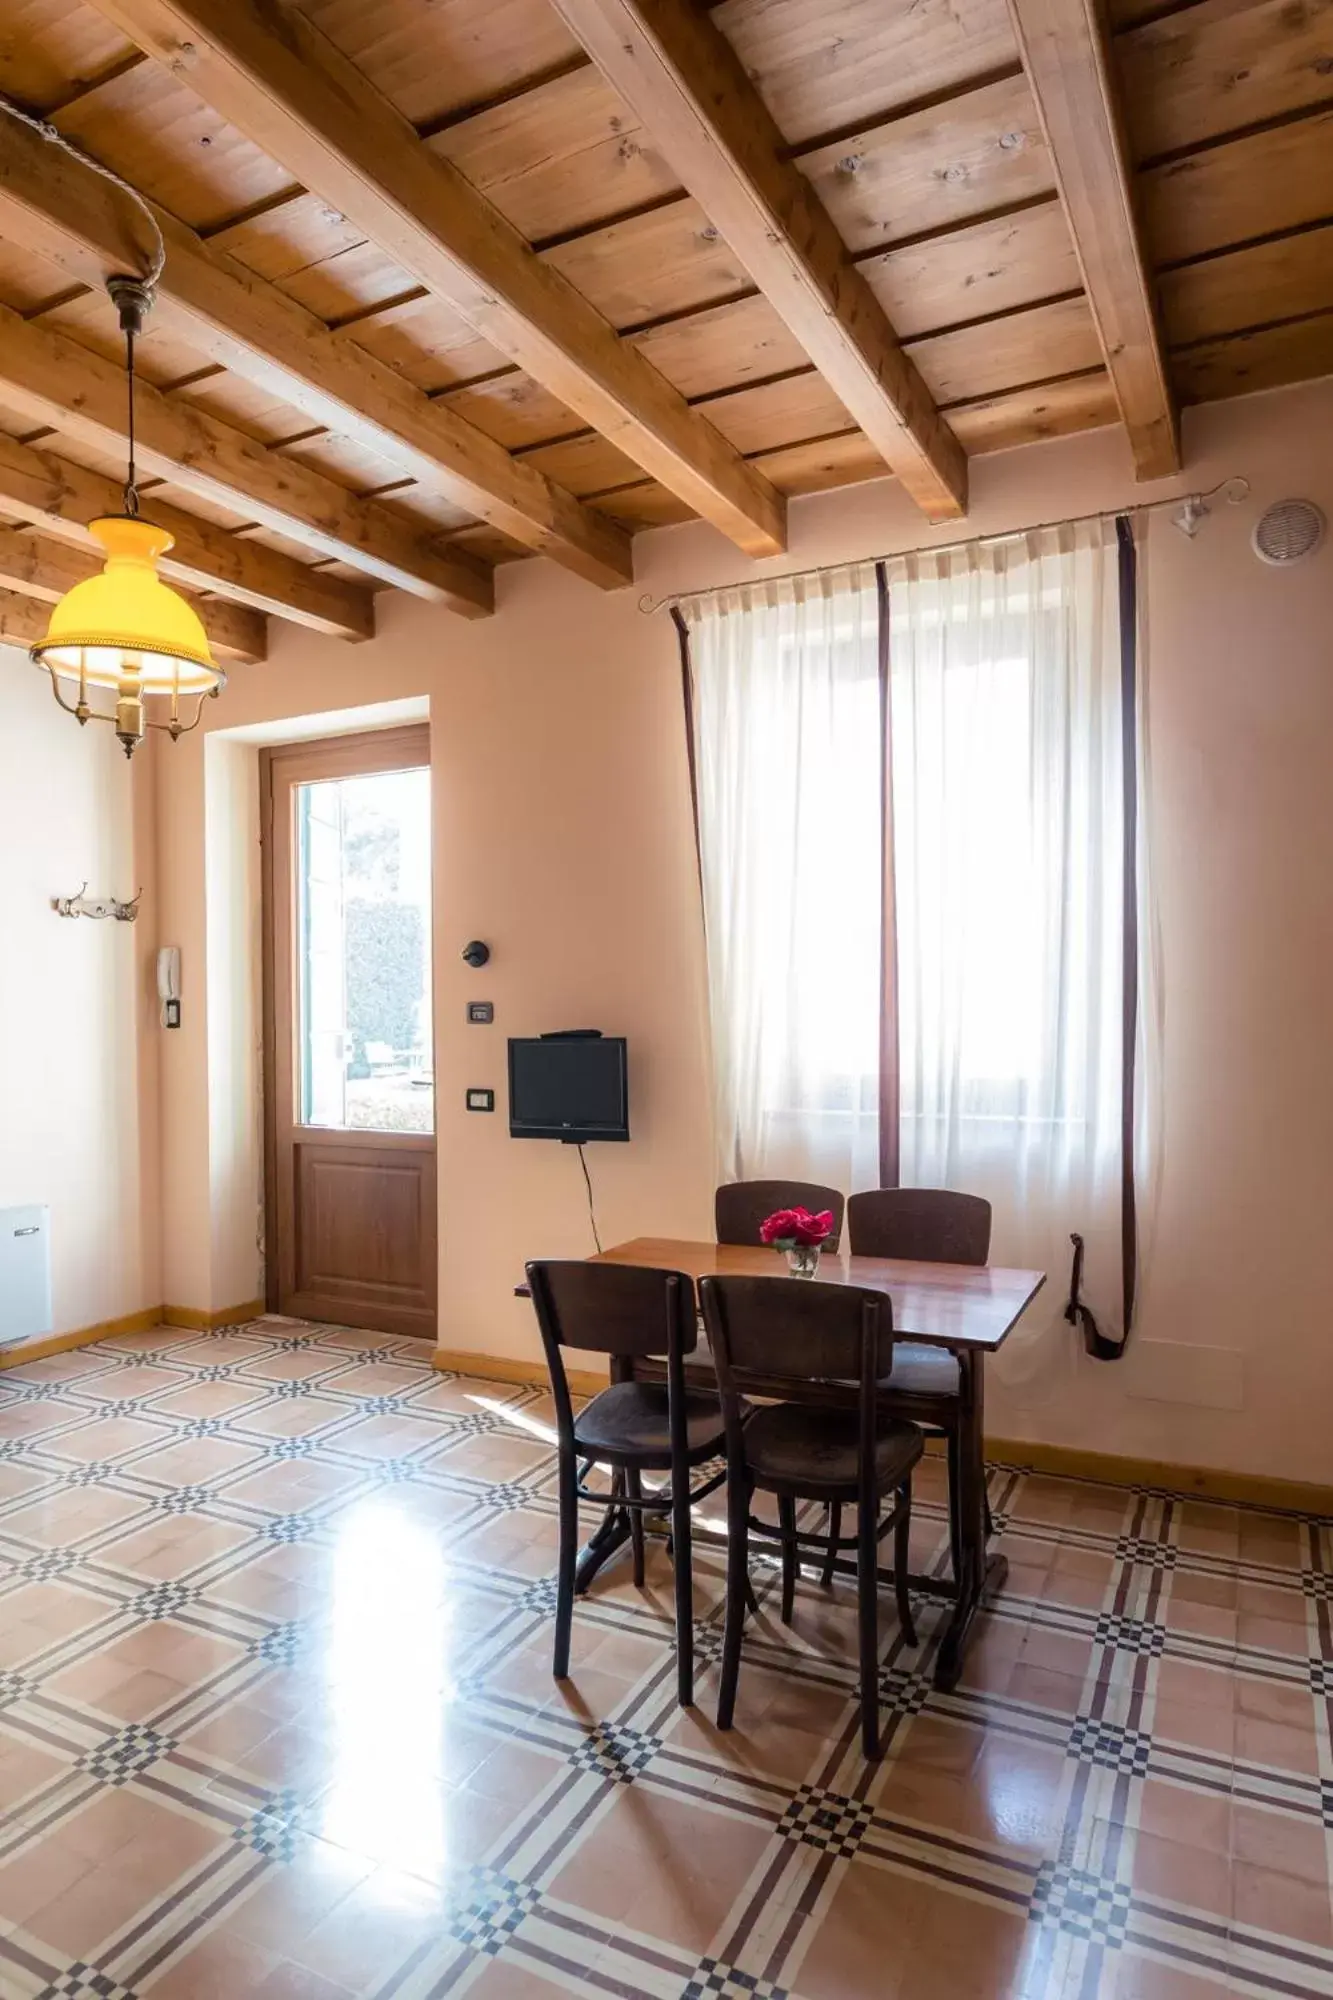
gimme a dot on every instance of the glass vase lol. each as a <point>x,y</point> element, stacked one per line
<point>803,1260</point>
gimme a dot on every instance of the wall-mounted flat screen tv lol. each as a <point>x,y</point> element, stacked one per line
<point>568,1087</point>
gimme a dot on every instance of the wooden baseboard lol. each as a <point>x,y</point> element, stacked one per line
<point>82,1336</point>
<point>195,1321</point>
<point>1289,1496</point>
<point>499,1368</point>
<point>1252,1489</point>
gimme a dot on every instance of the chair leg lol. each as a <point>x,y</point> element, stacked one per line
<point>834,1531</point>
<point>682,1549</point>
<point>567,1476</point>
<point>955,1507</point>
<point>738,1558</point>
<point>634,1491</point>
<point>902,1535</point>
<point>787,1523</point>
<point>867,1611</point>
<point>990,1518</point>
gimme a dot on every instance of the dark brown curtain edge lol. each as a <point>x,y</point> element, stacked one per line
<point>691,755</point>
<point>1129,718</point>
<point>1094,1341</point>
<point>890,1157</point>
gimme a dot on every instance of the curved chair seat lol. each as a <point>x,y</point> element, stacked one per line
<point>633,1420</point>
<point>816,1450</point>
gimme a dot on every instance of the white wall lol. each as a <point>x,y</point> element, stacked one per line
<point>229,987</point>
<point>78,1048</point>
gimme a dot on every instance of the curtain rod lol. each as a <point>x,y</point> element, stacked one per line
<point>1192,509</point>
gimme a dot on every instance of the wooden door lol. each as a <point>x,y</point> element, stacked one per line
<point>348,1063</point>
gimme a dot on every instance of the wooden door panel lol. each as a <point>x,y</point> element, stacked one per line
<point>351,1217</point>
<point>363,1233</point>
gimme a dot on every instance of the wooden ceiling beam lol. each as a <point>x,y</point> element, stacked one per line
<point>44,570</point>
<point>60,498</point>
<point>1065,54</point>
<point>678,72</point>
<point>272,74</point>
<point>54,205</point>
<point>82,394</point>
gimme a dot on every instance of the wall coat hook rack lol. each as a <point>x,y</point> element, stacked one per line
<point>84,905</point>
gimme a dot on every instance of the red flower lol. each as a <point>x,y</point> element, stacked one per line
<point>790,1226</point>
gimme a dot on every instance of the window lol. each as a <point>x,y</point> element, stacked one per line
<point>911,806</point>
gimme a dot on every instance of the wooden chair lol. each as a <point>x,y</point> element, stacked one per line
<point>740,1206</point>
<point>927,1226</point>
<point>769,1335</point>
<point>627,1312</point>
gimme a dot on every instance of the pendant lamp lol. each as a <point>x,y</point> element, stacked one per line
<point>125,630</point>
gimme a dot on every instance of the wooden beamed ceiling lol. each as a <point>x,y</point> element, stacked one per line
<point>457,282</point>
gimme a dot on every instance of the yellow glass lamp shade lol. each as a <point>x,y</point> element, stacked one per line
<point>125,624</point>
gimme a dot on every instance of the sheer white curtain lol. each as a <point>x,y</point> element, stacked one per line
<point>1008,827</point>
<point>789,753</point>
<point>1002,733</point>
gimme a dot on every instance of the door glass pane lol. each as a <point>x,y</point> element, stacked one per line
<point>363,928</point>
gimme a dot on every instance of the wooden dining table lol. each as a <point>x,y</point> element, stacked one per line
<point>969,1309</point>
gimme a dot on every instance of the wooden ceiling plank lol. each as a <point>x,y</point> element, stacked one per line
<point>277,78</point>
<point>820,68</point>
<point>934,167</point>
<point>977,271</point>
<point>561,157</point>
<point>1241,289</point>
<point>1268,358</point>
<point>683,79</point>
<point>1029,416</point>
<point>157,135</point>
<point>1067,61</point>
<point>1257,185</point>
<point>60,498</point>
<point>1221,67</point>
<point>50,51</point>
<point>78,392</point>
<point>45,570</point>
<point>242,321</point>
<point>994,355</point>
<point>439,59</point>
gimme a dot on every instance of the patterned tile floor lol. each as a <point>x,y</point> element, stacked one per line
<point>276,1719</point>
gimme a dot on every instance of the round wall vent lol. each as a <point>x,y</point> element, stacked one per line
<point>1288,532</point>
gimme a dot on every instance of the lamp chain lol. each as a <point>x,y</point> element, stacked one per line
<point>131,482</point>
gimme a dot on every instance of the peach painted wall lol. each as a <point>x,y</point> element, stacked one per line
<point>78,1035</point>
<point>563,837</point>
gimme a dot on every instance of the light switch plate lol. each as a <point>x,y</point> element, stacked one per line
<point>481,1011</point>
<point>480,1100</point>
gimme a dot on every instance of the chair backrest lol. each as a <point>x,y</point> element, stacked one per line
<point>628,1311</point>
<point>740,1206</point>
<point>925,1225</point>
<point>794,1330</point>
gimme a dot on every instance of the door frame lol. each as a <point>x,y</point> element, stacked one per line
<point>404,747</point>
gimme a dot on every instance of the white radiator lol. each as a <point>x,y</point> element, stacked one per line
<point>25,1273</point>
